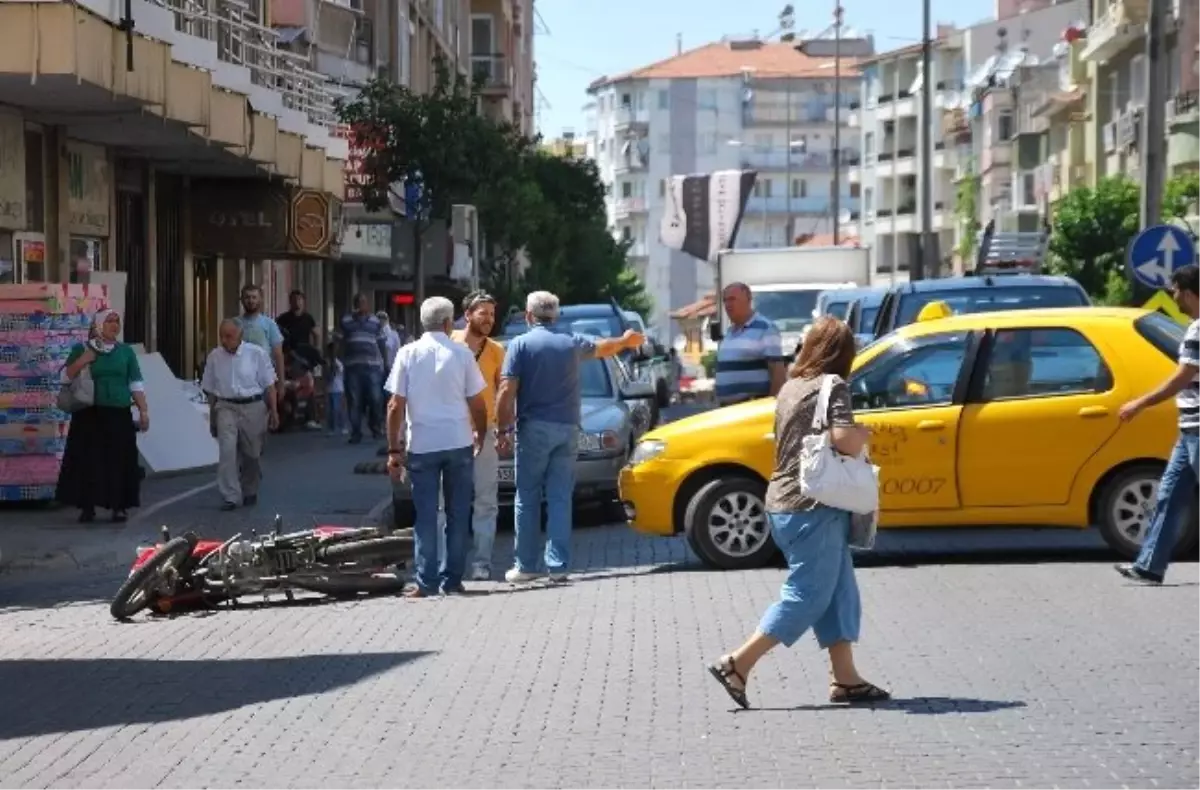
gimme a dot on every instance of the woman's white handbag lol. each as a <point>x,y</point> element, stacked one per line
<point>77,394</point>
<point>833,479</point>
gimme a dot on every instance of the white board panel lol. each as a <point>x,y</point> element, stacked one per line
<point>178,439</point>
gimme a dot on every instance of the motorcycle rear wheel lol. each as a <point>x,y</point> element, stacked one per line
<point>137,593</point>
<point>390,550</point>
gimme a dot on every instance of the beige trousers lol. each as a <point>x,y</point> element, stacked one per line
<point>241,431</point>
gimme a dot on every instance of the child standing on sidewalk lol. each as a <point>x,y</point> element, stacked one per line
<point>336,393</point>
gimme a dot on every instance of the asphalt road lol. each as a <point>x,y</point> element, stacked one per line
<point>1014,665</point>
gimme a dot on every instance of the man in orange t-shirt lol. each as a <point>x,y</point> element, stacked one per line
<point>479,309</point>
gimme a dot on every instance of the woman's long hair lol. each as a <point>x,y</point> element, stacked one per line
<point>828,348</point>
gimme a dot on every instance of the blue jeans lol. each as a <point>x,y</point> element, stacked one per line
<point>1176,494</point>
<point>335,411</point>
<point>820,591</point>
<point>544,463</point>
<point>450,473</point>
<point>364,385</point>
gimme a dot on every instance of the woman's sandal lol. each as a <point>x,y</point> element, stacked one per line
<point>725,671</point>
<point>850,693</point>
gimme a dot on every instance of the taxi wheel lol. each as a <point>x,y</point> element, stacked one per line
<point>726,524</point>
<point>1126,508</point>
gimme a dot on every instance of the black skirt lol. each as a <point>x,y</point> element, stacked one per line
<point>100,463</point>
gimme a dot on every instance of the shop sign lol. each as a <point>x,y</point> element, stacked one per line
<point>12,172</point>
<point>89,185</point>
<point>362,240</point>
<point>241,219</point>
<point>311,219</point>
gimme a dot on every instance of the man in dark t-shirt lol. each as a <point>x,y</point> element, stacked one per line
<point>298,327</point>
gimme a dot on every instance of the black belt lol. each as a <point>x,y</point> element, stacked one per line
<point>242,401</point>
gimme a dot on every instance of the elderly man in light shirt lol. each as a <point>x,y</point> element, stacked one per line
<point>239,380</point>
<point>437,388</point>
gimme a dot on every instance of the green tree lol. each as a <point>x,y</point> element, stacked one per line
<point>966,210</point>
<point>437,142</point>
<point>1091,230</point>
<point>1181,197</point>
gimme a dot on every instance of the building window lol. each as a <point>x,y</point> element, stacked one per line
<point>1004,126</point>
<point>869,146</point>
<point>799,188</point>
<point>1137,80</point>
<point>662,187</point>
<point>664,100</point>
<point>767,187</point>
<point>626,233</point>
<point>868,201</point>
<point>626,189</point>
<point>626,100</point>
<point>855,190</point>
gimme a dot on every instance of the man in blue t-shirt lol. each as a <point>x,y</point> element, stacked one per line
<point>364,350</point>
<point>539,402</point>
<point>259,329</point>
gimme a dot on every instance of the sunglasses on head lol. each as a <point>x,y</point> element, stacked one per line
<point>476,299</point>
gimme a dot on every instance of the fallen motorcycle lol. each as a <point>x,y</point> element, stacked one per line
<point>185,572</point>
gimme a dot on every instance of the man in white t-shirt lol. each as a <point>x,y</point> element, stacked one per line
<point>436,386</point>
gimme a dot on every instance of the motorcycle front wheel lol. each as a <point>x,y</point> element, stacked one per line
<point>140,588</point>
<point>390,550</point>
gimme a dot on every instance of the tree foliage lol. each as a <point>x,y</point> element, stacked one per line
<point>1093,227</point>
<point>542,216</point>
<point>966,211</point>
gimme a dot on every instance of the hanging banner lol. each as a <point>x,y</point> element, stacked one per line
<point>703,212</point>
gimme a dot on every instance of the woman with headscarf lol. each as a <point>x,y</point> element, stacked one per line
<point>100,464</point>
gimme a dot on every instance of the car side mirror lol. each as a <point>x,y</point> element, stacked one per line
<point>714,332</point>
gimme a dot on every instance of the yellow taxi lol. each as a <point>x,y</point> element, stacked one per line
<point>992,419</point>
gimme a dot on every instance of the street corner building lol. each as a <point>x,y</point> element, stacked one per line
<point>149,154</point>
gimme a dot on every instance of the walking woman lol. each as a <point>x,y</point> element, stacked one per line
<point>820,591</point>
<point>100,464</point>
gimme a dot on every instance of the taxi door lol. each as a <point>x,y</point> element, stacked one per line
<point>911,396</point>
<point>1044,403</point>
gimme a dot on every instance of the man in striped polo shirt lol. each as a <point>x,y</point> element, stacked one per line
<point>1177,489</point>
<point>750,360</point>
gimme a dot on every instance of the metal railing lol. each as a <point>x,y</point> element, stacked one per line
<point>494,70</point>
<point>243,40</point>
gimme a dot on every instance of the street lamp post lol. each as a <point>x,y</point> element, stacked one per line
<point>837,123</point>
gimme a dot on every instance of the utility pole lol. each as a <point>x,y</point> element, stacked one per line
<point>787,141</point>
<point>926,264</point>
<point>837,122</point>
<point>1153,138</point>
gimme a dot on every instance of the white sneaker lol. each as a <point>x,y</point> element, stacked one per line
<point>517,576</point>
<point>480,573</point>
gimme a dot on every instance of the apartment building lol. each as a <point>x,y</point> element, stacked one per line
<point>568,146</point>
<point>172,142</point>
<point>1114,49</point>
<point>501,43</point>
<point>973,132</point>
<point>737,103</point>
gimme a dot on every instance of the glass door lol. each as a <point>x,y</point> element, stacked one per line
<point>29,257</point>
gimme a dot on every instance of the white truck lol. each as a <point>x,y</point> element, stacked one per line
<point>786,282</point>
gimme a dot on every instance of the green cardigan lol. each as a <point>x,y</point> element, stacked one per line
<point>112,373</point>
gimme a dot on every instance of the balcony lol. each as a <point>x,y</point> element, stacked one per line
<point>206,89</point>
<point>956,127</point>
<point>812,206</point>
<point>1120,26</point>
<point>626,118</point>
<point>626,207</point>
<point>909,222</point>
<point>629,163</point>
<point>802,112</point>
<point>777,160</point>
<point>494,73</point>
<point>1183,142</point>
<point>1128,126</point>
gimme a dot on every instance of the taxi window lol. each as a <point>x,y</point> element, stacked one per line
<point>987,299</point>
<point>920,372</point>
<point>1031,363</point>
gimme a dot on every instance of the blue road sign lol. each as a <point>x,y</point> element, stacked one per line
<point>1156,252</point>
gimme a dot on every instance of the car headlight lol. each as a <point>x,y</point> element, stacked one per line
<point>599,443</point>
<point>646,450</point>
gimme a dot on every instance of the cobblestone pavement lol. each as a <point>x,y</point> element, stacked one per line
<point>1009,671</point>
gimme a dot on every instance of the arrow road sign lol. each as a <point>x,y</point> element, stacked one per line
<point>1157,252</point>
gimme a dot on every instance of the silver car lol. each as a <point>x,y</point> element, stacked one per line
<point>616,410</point>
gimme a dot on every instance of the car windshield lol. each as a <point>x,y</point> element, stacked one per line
<point>1161,332</point>
<point>593,380</point>
<point>593,325</point>
<point>990,299</point>
<point>790,311</point>
<point>513,327</point>
<point>837,309</point>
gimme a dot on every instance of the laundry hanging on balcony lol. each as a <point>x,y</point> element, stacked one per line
<point>703,212</point>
